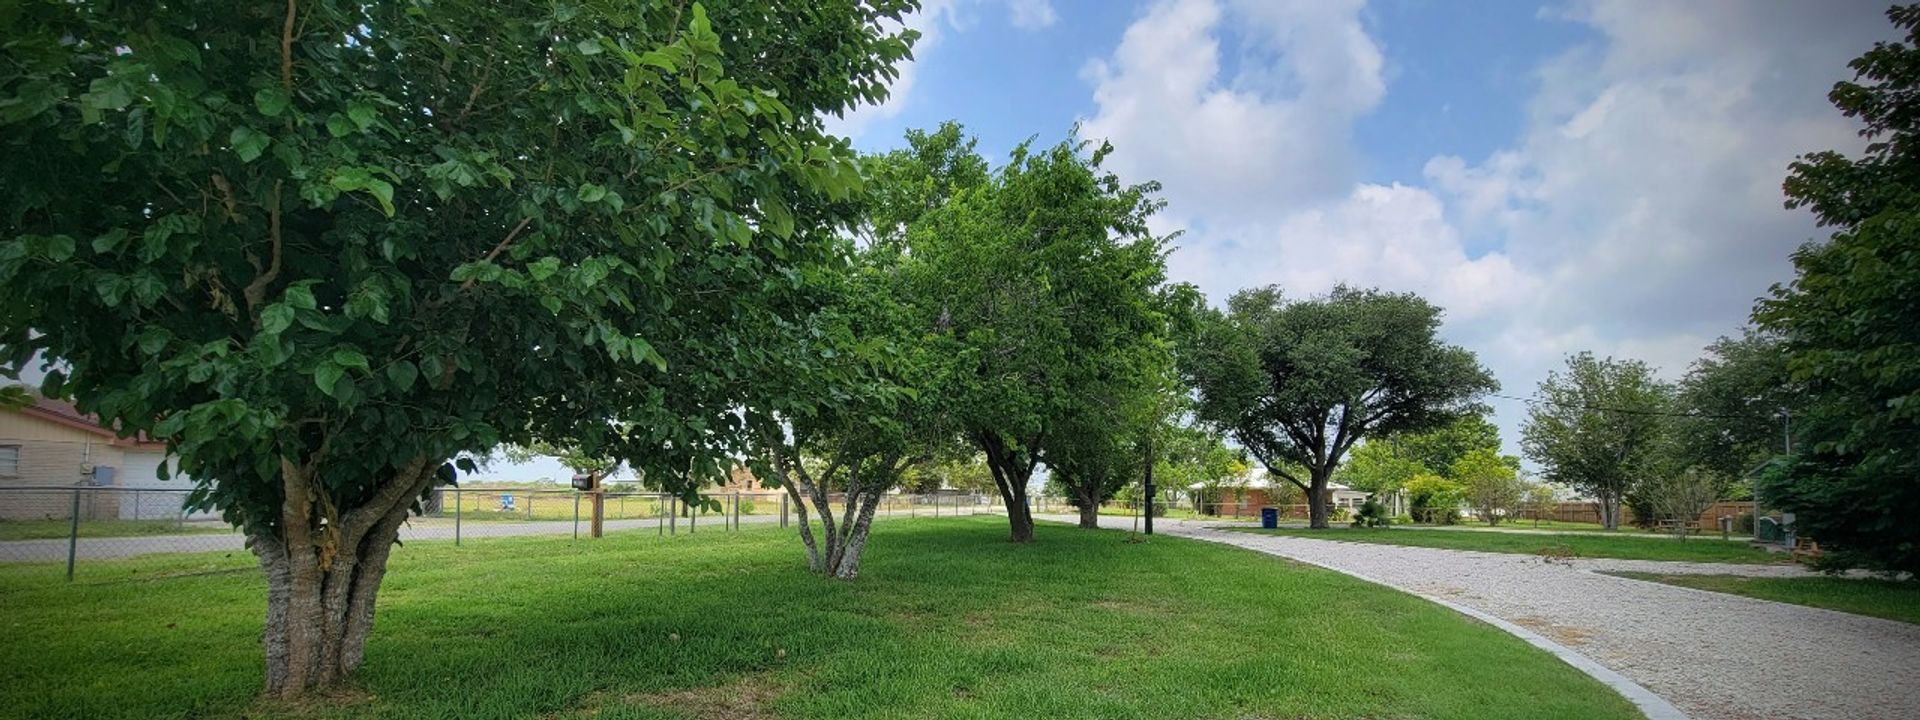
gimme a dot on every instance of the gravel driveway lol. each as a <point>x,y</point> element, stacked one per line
<point>1715,656</point>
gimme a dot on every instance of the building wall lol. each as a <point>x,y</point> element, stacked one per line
<point>53,455</point>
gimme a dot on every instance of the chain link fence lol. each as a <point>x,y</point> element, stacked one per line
<point>77,524</point>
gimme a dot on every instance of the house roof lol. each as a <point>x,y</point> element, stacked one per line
<point>61,412</point>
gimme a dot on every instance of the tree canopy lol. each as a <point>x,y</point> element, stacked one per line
<point>322,248</point>
<point>1597,426</point>
<point>1043,285</point>
<point>1847,322</point>
<point>1303,381</point>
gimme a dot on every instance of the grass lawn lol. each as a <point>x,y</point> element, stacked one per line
<point>1626,547</point>
<point>1890,599</point>
<point>43,529</point>
<point>947,620</point>
<point>1546,525</point>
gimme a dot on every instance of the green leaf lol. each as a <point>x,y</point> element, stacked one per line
<point>402,373</point>
<point>590,192</point>
<point>326,376</point>
<point>154,340</point>
<point>779,219</point>
<point>588,47</point>
<point>270,101</point>
<point>660,60</point>
<point>301,297</point>
<point>276,319</point>
<point>362,114</point>
<point>644,350</point>
<point>248,143</point>
<point>347,357</point>
<point>109,241</point>
<point>55,381</point>
<point>543,268</point>
<point>339,126</point>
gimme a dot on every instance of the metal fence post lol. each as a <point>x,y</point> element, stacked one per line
<point>73,534</point>
<point>673,515</point>
<point>456,516</point>
<point>736,511</point>
<point>783,511</point>
<point>660,515</point>
<point>576,515</point>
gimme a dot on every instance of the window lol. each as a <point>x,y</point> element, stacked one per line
<point>9,460</point>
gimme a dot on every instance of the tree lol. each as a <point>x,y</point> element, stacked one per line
<point>1304,381</point>
<point>1042,282</point>
<point>1847,319</point>
<point>1441,447</point>
<point>1541,501</point>
<point>1597,427</point>
<point>1680,497</point>
<point>1379,467</point>
<point>1491,483</point>
<point>324,248</point>
<point>1435,499</point>
<point>1198,463</point>
<point>1735,400</point>
<point>859,393</point>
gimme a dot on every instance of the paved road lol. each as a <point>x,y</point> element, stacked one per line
<point>1715,656</point>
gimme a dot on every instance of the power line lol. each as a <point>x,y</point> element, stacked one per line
<point>1634,411</point>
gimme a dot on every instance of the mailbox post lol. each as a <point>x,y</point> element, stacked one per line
<point>590,482</point>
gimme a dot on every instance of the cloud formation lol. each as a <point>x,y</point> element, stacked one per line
<point>1638,214</point>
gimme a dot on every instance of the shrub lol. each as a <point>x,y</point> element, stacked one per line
<point>1372,514</point>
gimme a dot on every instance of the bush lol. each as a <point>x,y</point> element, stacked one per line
<point>1372,514</point>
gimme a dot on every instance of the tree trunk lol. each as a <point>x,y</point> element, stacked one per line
<point>1019,516</point>
<point>1317,500</point>
<point>1089,513</point>
<point>1011,475</point>
<point>323,578</point>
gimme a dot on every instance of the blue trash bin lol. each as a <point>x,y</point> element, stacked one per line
<point>1269,517</point>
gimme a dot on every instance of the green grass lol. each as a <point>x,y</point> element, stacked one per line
<point>1543,525</point>
<point>946,620</point>
<point>1626,547</point>
<point>1890,599</point>
<point>43,529</point>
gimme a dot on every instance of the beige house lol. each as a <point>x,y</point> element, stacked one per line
<point>49,446</point>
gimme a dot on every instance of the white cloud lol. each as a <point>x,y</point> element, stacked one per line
<point>1273,136</point>
<point>1637,215</point>
<point>1032,14</point>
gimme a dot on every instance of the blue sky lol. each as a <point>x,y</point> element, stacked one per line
<point>1574,175</point>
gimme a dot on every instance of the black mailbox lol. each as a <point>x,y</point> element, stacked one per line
<point>583,481</point>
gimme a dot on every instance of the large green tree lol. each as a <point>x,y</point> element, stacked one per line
<point>1598,427</point>
<point>850,407</point>
<point>1734,404</point>
<point>1042,282</point>
<point>1848,321</point>
<point>1300,382</point>
<point>323,248</point>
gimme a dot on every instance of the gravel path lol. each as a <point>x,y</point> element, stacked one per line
<point>1715,656</point>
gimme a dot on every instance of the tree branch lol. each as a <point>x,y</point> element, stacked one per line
<point>256,291</point>
<point>286,50</point>
<point>497,249</point>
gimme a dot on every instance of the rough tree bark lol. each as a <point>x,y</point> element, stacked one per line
<point>836,551</point>
<point>324,568</point>
<point>1011,474</point>
<point>1089,510</point>
<point>1317,498</point>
